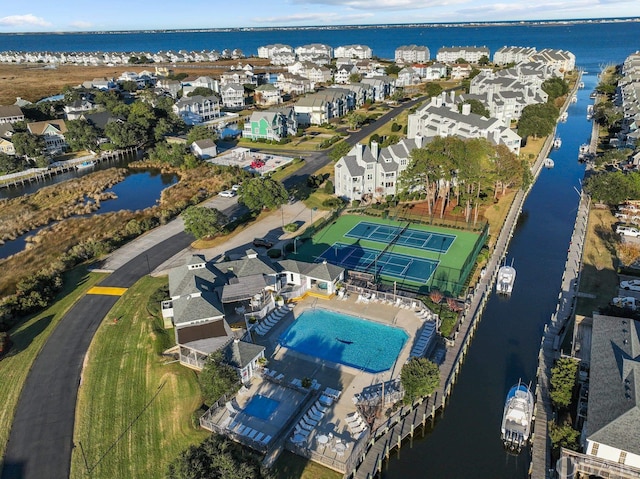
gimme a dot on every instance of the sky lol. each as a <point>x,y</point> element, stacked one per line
<point>82,15</point>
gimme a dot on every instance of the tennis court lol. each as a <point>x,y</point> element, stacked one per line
<point>406,236</point>
<point>393,265</point>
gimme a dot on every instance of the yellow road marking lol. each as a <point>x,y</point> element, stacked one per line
<point>106,290</point>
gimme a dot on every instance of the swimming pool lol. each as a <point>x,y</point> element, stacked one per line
<point>345,339</point>
<point>261,407</point>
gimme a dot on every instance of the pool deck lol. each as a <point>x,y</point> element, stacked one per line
<point>296,366</point>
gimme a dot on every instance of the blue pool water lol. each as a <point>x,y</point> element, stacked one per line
<point>345,339</point>
<point>261,407</point>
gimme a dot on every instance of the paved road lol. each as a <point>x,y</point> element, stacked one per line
<point>41,439</point>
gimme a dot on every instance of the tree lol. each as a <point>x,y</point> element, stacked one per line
<point>10,164</point>
<point>203,222</point>
<point>340,149</point>
<point>355,78</point>
<point>611,188</point>
<point>125,134</point>
<point>217,378</point>
<point>199,132</point>
<point>392,69</point>
<point>217,458</point>
<point>564,436</point>
<point>259,193</point>
<point>173,154</point>
<point>563,381</point>
<point>432,89</point>
<point>129,85</point>
<point>420,378</point>
<point>202,91</point>
<point>81,135</point>
<point>477,107</point>
<point>355,119</point>
<point>537,120</point>
<point>484,60</point>
<point>555,87</point>
<point>27,144</point>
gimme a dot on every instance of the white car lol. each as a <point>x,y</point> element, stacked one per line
<point>631,285</point>
<point>627,302</point>
<point>227,194</point>
<point>235,188</point>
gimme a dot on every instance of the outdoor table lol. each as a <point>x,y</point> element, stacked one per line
<point>322,439</point>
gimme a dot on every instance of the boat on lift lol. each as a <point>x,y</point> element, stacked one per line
<point>557,142</point>
<point>517,417</point>
<point>86,164</point>
<point>548,163</point>
<point>564,117</point>
<point>574,99</point>
<point>506,278</point>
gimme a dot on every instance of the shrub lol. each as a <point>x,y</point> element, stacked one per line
<point>328,187</point>
<point>355,203</point>
<point>274,253</point>
<point>291,227</point>
<point>332,203</point>
<point>395,127</point>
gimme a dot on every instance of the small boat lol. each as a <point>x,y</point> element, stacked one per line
<point>581,84</point>
<point>564,117</point>
<point>574,99</point>
<point>517,417</point>
<point>557,142</point>
<point>548,163</point>
<point>506,278</point>
<point>86,164</point>
<point>593,95</point>
<point>589,112</point>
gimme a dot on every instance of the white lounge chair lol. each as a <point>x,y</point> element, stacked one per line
<point>320,407</point>
<point>312,416</point>
<point>310,421</point>
<point>325,400</point>
<point>304,425</point>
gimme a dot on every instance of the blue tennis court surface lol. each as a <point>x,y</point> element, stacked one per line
<point>426,240</point>
<point>393,265</point>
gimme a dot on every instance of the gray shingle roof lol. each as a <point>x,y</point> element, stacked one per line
<point>614,385</point>
<point>322,271</point>
<point>190,308</point>
<point>239,354</point>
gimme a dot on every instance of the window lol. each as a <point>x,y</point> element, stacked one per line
<point>370,166</point>
<point>389,184</point>
<point>369,177</point>
<point>623,457</point>
<point>403,162</point>
<point>594,449</point>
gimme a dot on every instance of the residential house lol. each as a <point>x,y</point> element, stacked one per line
<point>383,86</point>
<point>268,51</point>
<point>440,117</point>
<point>241,77</point>
<point>103,84</point>
<point>293,84</point>
<point>412,54</point>
<point>435,71</point>
<point>344,72</point>
<point>204,149</point>
<point>6,130</point>
<point>313,52</point>
<point>506,55</point>
<point>197,109</point>
<point>564,60</point>
<point>283,58</point>
<point>368,172</point>
<point>610,439</point>
<point>172,87</point>
<point>10,114</point>
<point>407,77</point>
<point>77,108</point>
<point>460,71</point>
<point>273,125</point>
<point>200,82</point>
<point>100,120</point>
<point>353,51</point>
<point>311,71</point>
<point>267,95</point>
<point>6,147</point>
<point>323,106</point>
<point>362,92</point>
<point>468,54</point>
<point>232,95</point>
<point>53,133</point>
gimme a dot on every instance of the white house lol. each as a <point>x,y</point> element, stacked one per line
<point>293,84</point>
<point>268,51</point>
<point>564,60</point>
<point>383,86</point>
<point>197,109</point>
<point>469,54</point>
<point>267,95</point>
<point>407,77</point>
<point>319,108</point>
<point>412,54</point>
<point>204,149</point>
<point>506,55</point>
<point>200,82</point>
<point>10,114</point>
<point>435,71</point>
<point>460,71</point>
<point>353,51</point>
<point>440,117</point>
<point>373,172</point>
<point>53,133</point>
<point>313,51</point>
<point>77,108</point>
<point>232,95</point>
<point>283,58</point>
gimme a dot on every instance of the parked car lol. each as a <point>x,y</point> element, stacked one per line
<point>628,231</point>
<point>631,285</point>
<point>227,194</point>
<point>627,302</point>
<point>235,188</point>
<point>262,242</point>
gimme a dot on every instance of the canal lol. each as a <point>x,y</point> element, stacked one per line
<point>465,442</point>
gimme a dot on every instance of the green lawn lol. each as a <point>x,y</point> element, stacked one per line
<point>28,339</point>
<point>134,410</point>
<point>291,466</point>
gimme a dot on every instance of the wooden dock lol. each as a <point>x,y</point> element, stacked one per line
<point>406,421</point>
<point>36,175</point>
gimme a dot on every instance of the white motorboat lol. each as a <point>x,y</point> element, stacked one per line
<point>517,417</point>
<point>86,164</point>
<point>557,142</point>
<point>564,117</point>
<point>548,163</point>
<point>506,278</point>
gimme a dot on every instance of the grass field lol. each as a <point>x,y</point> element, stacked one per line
<point>133,414</point>
<point>446,276</point>
<point>28,339</point>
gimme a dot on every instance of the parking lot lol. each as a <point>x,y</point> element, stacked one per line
<point>253,161</point>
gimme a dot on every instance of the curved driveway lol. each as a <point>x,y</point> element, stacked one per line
<point>41,438</point>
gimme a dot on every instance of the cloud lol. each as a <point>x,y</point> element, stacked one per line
<point>531,9</point>
<point>22,20</point>
<point>313,18</point>
<point>81,24</point>
<point>383,4</point>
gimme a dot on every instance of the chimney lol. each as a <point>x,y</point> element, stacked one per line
<point>374,149</point>
<point>419,141</point>
<point>466,108</point>
<point>359,150</point>
<point>438,101</point>
<point>443,97</point>
<point>452,96</point>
